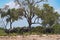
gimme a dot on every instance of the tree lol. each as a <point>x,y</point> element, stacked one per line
<point>48,16</point>
<point>29,9</point>
<point>12,15</point>
<point>2,18</point>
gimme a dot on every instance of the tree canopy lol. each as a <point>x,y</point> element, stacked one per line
<point>12,15</point>
<point>29,9</point>
<point>48,15</point>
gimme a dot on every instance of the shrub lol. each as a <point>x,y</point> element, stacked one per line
<point>14,30</point>
<point>38,29</point>
<point>56,29</point>
<point>48,30</point>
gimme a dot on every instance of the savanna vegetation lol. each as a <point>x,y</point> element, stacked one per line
<point>30,10</point>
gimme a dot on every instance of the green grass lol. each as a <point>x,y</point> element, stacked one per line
<point>2,33</point>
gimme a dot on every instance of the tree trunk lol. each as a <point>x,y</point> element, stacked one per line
<point>30,25</point>
<point>10,24</point>
<point>29,22</point>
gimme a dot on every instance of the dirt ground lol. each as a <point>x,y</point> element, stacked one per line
<point>31,37</point>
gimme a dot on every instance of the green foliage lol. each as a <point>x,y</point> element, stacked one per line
<point>56,29</point>
<point>48,31</point>
<point>48,15</point>
<point>2,32</point>
<point>16,30</point>
<point>34,30</point>
<point>29,9</point>
<point>12,15</point>
<point>37,29</point>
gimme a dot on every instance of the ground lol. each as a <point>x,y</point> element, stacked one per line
<point>31,37</point>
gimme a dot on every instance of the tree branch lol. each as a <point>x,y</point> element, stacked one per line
<point>40,1</point>
<point>36,23</point>
<point>18,2</point>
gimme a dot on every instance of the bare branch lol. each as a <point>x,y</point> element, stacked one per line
<point>18,2</point>
<point>40,1</point>
<point>36,23</point>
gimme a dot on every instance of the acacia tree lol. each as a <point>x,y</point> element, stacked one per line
<point>2,18</point>
<point>29,9</point>
<point>48,16</point>
<point>12,15</point>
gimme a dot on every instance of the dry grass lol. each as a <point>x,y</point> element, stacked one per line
<point>31,37</point>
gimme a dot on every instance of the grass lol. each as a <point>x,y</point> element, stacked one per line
<point>2,33</point>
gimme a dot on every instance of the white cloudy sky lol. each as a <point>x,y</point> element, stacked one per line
<point>13,5</point>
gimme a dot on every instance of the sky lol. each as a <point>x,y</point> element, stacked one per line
<point>3,2</point>
<point>54,3</point>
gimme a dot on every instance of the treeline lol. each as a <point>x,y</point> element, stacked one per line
<point>34,30</point>
<point>46,16</point>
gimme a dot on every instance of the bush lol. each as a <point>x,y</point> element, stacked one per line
<point>34,30</point>
<point>48,30</point>
<point>17,30</point>
<point>38,29</point>
<point>14,30</point>
<point>56,29</point>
